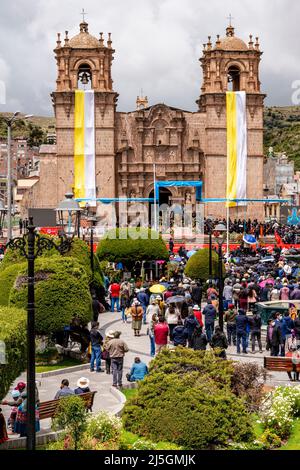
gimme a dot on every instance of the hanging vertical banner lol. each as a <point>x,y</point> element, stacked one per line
<point>236,147</point>
<point>84,146</point>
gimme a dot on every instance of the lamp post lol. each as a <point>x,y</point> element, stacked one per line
<point>68,213</point>
<point>93,221</point>
<point>32,245</point>
<point>3,213</point>
<point>219,234</point>
<point>9,122</point>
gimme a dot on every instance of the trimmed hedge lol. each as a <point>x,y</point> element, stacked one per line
<point>191,405</point>
<point>61,292</point>
<point>7,280</point>
<point>132,244</point>
<point>13,333</point>
<point>197,266</point>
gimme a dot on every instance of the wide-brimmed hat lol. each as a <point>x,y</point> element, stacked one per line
<point>15,393</point>
<point>83,382</point>
<point>196,307</point>
<point>110,334</point>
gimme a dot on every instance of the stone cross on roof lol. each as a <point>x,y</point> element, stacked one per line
<point>83,13</point>
<point>230,17</point>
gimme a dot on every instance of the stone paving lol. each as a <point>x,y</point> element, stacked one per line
<point>101,382</point>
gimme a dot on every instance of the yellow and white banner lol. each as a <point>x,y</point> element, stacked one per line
<point>84,146</point>
<point>236,146</point>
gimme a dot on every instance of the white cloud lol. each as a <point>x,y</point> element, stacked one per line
<point>158,44</point>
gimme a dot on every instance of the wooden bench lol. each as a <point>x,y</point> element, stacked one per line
<point>282,364</point>
<point>47,409</point>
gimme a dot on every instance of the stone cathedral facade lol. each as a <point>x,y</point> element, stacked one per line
<point>184,145</point>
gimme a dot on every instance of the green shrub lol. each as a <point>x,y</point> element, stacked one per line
<point>186,400</point>
<point>191,411</point>
<point>122,245</point>
<point>7,280</point>
<point>71,416</point>
<point>61,292</point>
<point>270,440</point>
<point>13,335</point>
<point>197,266</point>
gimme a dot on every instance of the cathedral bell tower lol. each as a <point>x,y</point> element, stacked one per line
<point>232,65</point>
<point>84,62</point>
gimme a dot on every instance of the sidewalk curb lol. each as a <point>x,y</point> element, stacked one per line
<point>52,373</point>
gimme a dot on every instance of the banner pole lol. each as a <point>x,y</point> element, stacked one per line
<point>227,210</point>
<point>155,198</point>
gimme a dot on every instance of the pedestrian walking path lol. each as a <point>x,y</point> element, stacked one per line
<point>102,382</point>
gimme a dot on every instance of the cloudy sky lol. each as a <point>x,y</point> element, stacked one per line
<point>158,44</point>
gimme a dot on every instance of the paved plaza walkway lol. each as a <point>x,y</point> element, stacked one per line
<point>101,382</point>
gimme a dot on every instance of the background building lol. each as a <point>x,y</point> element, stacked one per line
<point>184,145</point>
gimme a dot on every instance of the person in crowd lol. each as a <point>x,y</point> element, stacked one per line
<point>236,289</point>
<point>143,298</point>
<point>274,337</point>
<point>196,292</point>
<point>114,291</point>
<point>210,315</point>
<point>152,323</point>
<point>190,324</point>
<point>82,386</point>
<point>97,307</point>
<point>199,339</point>
<point>64,390</point>
<point>3,430</point>
<point>125,303</point>
<point>243,297</point>
<point>152,309</point>
<point>275,292</point>
<point>117,349</point>
<point>227,293</point>
<point>286,330</point>
<point>161,334</point>
<point>138,371</point>
<point>219,341</point>
<point>198,314</point>
<point>211,291</point>
<point>241,331</point>
<point>265,292</point>
<point>14,403</point>
<point>230,320</point>
<point>136,312</point>
<point>255,329</point>
<point>179,334</point>
<point>295,295</point>
<point>96,339</point>
<point>172,315</point>
<point>171,245</point>
<point>252,298</point>
<point>105,354</point>
<point>21,418</point>
<point>285,292</point>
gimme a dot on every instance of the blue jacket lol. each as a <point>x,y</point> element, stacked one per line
<point>209,313</point>
<point>179,335</point>
<point>143,298</point>
<point>286,326</point>
<point>190,324</point>
<point>138,371</point>
<point>241,323</point>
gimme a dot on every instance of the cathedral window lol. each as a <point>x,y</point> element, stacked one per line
<point>233,78</point>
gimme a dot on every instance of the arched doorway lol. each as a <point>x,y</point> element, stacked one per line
<point>165,196</point>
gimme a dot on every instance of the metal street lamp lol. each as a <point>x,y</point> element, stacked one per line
<point>68,213</point>
<point>220,234</point>
<point>32,245</point>
<point>93,221</point>
<point>9,122</point>
<point>3,212</point>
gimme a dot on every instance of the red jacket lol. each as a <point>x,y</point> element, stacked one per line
<point>115,290</point>
<point>198,315</point>
<point>161,331</point>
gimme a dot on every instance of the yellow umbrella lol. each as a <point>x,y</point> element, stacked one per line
<point>157,289</point>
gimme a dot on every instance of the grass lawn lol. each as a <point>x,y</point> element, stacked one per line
<point>129,392</point>
<point>68,362</point>
<point>293,442</point>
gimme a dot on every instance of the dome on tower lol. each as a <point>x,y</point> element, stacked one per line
<point>231,42</point>
<point>84,40</point>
